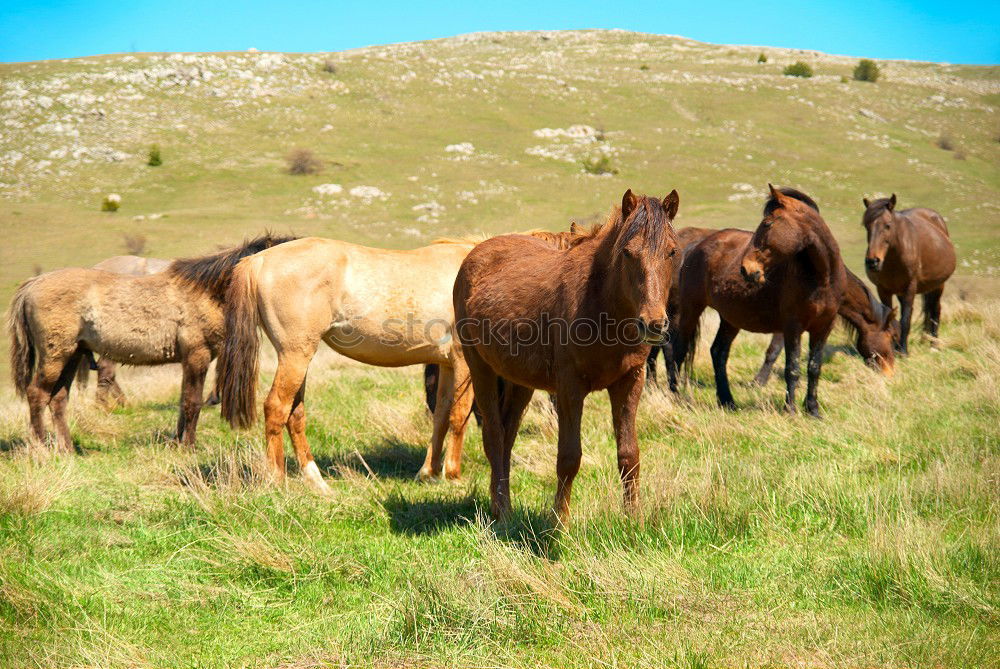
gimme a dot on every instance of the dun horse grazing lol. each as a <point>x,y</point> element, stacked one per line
<point>786,277</point>
<point>380,307</point>
<point>55,319</point>
<point>909,254</point>
<point>873,324</point>
<point>570,322</point>
<point>109,393</point>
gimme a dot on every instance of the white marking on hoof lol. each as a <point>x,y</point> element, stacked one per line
<point>315,480</point>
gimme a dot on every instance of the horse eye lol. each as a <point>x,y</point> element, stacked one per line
<point>673,252</point>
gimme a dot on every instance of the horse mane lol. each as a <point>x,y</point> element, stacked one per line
<point>647,219</point>
<point>879,311</point>
<point>875,209</point>
<point>772,203</point>
<point>211,273</point>
<point>471,239</point>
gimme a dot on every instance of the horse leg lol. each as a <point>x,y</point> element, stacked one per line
<point>60,399</point>
<point>625,394</point>
<point>515,401</point>
<point>932,311</point>
<point>720,358</point>
<point>570,451</point>
<point>654,352</point>
<point>296,426</point>
<point>458,418</point>
<point>288,380</point>
<point>484,382</point>
<point>793,349</point>
<point>195,367</point>
<point>813,368</point>
<point>884,296</point>
<point>905,315</point>
<point>773,349</point>
<point>442,407</point>
<point>109,393</point>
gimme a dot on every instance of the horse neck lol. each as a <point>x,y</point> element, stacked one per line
<point>823,253</point>
<point>856,307</point>
<point>600,292</point>
<point>904,238</point>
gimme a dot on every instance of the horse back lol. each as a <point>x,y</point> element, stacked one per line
<point>933,247</point>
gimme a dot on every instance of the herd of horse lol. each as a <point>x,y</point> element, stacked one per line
<point>570,313</point>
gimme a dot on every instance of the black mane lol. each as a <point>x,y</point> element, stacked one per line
<point>772,203</point>
<point>212,272</point>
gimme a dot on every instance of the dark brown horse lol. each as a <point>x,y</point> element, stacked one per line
<point>786,277</point>
<point>909,254</point>
<point>570,322</point>
<point>873,325</point>
<point>57,318</point>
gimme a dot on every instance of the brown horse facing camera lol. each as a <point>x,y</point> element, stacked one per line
<point>787,277</point>
<point>533,314</point>
<point>909,254</point>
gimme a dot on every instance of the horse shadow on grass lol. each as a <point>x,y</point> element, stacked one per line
<point>388,458</point>
<point>526,529</point>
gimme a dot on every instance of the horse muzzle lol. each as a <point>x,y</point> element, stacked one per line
<point>873,264</point>
<point>653,333</point>
<point>753,274</point>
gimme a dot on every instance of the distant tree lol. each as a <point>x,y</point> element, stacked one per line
<point>154,156</point>
<point>762,58</point>
<point>798,69</point>
<point>866,70</point>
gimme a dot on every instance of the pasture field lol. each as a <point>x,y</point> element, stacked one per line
<point>871,537</point>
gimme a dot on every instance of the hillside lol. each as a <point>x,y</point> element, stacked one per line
<point>870,538</point>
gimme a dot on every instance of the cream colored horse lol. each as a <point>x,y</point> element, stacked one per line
<point>380,307</point>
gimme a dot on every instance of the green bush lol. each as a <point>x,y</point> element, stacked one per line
<point>111,202</point>
<point>866,70</point>
<point>598,165</point>
<point>154,156</point>
<point>798,69</point>
<point>762,58</point>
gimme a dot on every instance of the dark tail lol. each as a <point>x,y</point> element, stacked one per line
<point>690,348</point>
<point>83,369</point>
<point>22,346</point>
<point>236,372</point>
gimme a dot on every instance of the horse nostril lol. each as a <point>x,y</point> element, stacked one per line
<point>872,263</point>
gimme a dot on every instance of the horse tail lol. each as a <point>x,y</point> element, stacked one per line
<point>22,345</point>
<point>83,372</point>
<point>692,346</point>
<point>237,369</point>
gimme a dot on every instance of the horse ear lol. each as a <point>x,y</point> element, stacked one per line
<point>892,202</point>
<point>867,203</point>
<point>775,193</point>
<point>574,228</point>
<point>629,200</point>
<point>671,203</point>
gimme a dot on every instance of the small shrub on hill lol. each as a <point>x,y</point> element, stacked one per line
<point>111,202</point>
<point>303,161</point>
<point>154,156</point>
<point>598,165</point>
<point>762,58</point>
<point>798,69</point>
<point>135,244</point>
<point>866,70</point>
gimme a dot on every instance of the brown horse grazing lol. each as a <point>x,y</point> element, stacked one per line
<point>173,316</point>
<point>109,393</point>
<point>570,322</point>
<point>909,254</point>
<point>873,324</point>
<point>786,277</point>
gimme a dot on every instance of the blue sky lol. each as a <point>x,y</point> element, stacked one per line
<point>956,32</point>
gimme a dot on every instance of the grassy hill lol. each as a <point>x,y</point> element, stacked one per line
<point>868,538</point>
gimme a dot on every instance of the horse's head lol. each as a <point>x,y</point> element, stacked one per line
<point>877,344</point>
<point>784,230</point>
<point>645,251</point>
<point>880,224</point>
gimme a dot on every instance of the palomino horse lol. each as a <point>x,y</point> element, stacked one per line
<point>109,393</point>
<point>173,316</point>
<point>571,322</point>
<point>872,323</point>
<point>786,277</point>
<point>909,254</point>
<point>380,307</point>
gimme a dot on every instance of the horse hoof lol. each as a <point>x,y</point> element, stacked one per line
<point>425,476</point>
<point>728,405</point>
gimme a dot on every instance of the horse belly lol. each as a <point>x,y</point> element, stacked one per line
<point>143,335</point>
<point>391,342</point>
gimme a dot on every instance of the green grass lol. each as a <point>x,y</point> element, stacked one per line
<point>869,538</point>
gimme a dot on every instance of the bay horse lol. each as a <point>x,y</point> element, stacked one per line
<point>873,325</point>
<point>570,322</point>
<point>109,393</point>
<point>57,318</point>
<point>787,277</point>
<point>909,253</point>
<point>381,307</point>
